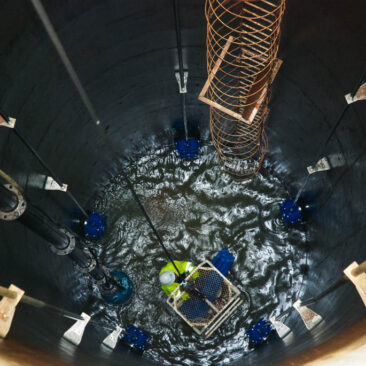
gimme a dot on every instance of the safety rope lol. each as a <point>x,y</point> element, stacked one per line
<point>89,106</point>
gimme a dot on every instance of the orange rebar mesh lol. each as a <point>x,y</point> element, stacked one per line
<point>242,82</point>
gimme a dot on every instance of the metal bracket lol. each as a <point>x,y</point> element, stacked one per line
<point>185,79</point>
<point>111,340</point>
<point>19,210</point>
<point>358,279</point>
<point>69,248</point>
<point>5,123</point>
<point>281,329</point>
<point>320,166</point>
<point>360,95</point>
<point>52,185</point>
<point>7,309</point>
<point>75,333</point>
<point>309,317</point>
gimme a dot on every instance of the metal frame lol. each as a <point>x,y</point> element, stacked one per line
<point>207,329</point>
<point>242,44</point>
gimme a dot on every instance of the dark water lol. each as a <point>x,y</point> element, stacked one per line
<point>198,210</point>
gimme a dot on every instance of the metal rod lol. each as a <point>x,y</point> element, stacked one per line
<point>47,167</point>
<point>330,135</point>
<point>326,292</point>
<point>65,59</point>
<point>67,63</point>
<point>180,61</point>
<point>7,293</point>
<point>38,303</point>
<point>147,217</point>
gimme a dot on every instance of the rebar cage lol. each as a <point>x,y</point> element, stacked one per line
<point>207,299</point>
<point>242,44</point>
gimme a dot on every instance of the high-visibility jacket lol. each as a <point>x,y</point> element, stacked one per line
<point>184,267</point>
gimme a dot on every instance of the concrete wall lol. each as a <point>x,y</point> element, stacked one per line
<point>124,53</point>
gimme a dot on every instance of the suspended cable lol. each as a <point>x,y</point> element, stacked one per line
<point>28,145</point>
<point>65,59</point>
<point>332,132</point>
<point>72,73</point>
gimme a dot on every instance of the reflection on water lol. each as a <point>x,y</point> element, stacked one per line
<point>198,210</point>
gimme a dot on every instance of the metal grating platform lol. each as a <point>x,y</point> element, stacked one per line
<point>212,299</point>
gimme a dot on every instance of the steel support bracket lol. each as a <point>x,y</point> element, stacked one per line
<point>51,185</point>
<point>320,166</point>
<point>111,340</point>
<point>10,123</point>
<point>19,210</point>
<point>75,333</point>
<point>185,79</point>
<point>360,95</point>
<point>7,310</point>
<point>281,329</point>
<point>309,317</point>
<point>359,280</point>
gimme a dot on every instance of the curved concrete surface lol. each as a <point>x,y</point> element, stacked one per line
<point>124,52</point>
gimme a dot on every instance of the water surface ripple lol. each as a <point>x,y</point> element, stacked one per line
<point>198,210</point>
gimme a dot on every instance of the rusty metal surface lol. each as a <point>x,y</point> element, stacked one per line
<point>242,82</point>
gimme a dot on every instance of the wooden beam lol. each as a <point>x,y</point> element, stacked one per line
<point>222,108</point>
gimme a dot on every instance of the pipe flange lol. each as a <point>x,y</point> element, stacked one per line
<point>69,248</point>
<point>19,210</point>
<point>92,264</point>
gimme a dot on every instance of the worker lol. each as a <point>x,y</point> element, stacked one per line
<point>169,277</point>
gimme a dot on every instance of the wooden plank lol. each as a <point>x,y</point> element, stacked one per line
<point>222,109</point>
<point>7,309</point>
